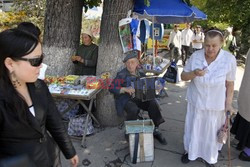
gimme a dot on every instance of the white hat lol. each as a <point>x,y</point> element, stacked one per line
<point>88,32</point>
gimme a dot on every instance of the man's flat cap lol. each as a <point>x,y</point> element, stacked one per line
<point>130,55</point>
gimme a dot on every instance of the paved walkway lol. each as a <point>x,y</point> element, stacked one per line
<point>108,147</point>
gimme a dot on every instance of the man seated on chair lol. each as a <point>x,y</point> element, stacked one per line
<point>123,92</point>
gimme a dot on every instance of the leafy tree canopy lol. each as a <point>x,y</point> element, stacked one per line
<point>32,11</point>
<point>232,12</point>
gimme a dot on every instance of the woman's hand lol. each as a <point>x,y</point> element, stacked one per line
<point>79,58</point>
<point>230,109</point>
<point>199,72</point>
<point>74,161</point>
<point>73,58</point>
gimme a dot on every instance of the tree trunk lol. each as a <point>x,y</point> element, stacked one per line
<point>110,56</point>
<point>61,34</point>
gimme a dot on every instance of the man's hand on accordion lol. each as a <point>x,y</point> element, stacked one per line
<point>128,90</point>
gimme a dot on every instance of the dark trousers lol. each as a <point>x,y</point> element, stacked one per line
<point>174,54</point>
<point>133,107</point>
<point>185,53</point>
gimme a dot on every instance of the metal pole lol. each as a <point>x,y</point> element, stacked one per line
<point>153,41</point>
<point>228,139</point>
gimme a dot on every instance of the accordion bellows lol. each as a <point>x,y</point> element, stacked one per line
<point>145,88</point>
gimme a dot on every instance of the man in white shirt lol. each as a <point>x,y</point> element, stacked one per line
<point>174,44</point>
<point>186,39</point>
<point>198,39</point>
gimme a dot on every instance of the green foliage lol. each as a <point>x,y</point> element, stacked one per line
<point>24,10</point>
<point>233,12</point>
<point>32,11</point>
<point>94,26</point>
<point>198,3</point>
<point>10,19</point>
<point>88,4</point>
<point>147,2</point>
<point>187,2</point>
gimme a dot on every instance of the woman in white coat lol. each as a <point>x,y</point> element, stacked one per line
<point>210,92</point>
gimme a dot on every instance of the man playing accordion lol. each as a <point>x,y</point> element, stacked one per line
<point>124,93</point>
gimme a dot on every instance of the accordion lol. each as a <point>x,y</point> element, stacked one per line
<point>144,88</point>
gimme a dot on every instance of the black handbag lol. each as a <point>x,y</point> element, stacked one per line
<point>171,46</point>
<point>172,73</point>
<point>232,47</point>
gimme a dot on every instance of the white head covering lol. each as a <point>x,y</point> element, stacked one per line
<point>88,32</point>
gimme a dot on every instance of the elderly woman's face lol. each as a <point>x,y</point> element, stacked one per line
<point>212,46</point>
<point>86,39</point>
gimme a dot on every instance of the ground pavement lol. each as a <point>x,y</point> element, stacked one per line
<point>108,147</point>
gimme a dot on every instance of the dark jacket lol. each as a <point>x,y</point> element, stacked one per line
<point>90,55</point>
<point>31,138</point>
<point>122,79</point>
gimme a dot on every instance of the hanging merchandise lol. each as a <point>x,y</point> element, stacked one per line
<point>172,74</point>
<point>125,34</point>
<point>129,31</point>
<point>144,31</point>
<point>135,29</point>
<point>158,31</point>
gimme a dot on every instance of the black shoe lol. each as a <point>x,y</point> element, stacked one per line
<point>244,157</point>
<point>210,165</point>
<point>239,147</point>
<point>184,158</point>
<point>160,138</point>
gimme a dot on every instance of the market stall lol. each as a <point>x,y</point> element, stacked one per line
<point>79,89</point>
<point>147,23</point>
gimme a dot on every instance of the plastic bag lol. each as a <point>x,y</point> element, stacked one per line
<point>76,125</point>
<point>222,135</point>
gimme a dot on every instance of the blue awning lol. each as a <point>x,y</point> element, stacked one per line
<point>169,11</point>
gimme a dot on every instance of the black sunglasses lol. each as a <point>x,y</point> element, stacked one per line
<point>35,62</point>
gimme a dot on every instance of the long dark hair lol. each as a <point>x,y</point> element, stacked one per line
<point>29,27</point>
<point>14,43</point>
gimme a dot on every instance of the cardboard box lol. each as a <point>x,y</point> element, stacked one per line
<point>144,129</point>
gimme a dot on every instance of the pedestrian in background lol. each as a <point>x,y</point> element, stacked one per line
<point>186,42</point>
<point>198,39</point>
<point>241,124</point>
<point>174,44</point>
<point>230,41</point>
<point>209,95</point>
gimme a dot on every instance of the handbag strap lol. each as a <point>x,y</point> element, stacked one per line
<point>136,148</point>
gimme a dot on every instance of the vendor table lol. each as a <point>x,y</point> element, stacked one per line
<point>164,65</point>
<point>79,99</point>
